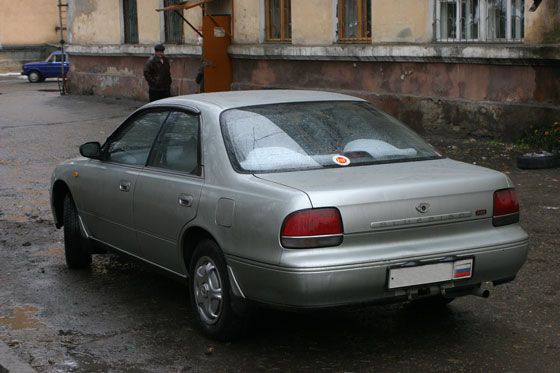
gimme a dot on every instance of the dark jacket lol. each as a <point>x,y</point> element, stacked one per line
<point>157,74</point>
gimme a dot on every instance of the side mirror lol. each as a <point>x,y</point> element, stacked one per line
<point>91,150</point>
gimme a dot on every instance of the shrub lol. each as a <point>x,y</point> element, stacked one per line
<point>542,138</point>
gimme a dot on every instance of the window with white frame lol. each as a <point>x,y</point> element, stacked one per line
<point>480,20</point>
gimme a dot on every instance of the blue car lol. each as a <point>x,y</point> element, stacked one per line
<point>50,68</point>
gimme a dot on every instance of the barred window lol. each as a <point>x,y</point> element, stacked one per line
<point>130,20</point>
<point>480,20</point>
<point>173,24</point>
<point>354,20</point>
<point>278,20</point>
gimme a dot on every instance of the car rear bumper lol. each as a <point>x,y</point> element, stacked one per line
<point>366,282</point>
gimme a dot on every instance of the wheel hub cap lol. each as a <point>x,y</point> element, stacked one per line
<point>208,292</point>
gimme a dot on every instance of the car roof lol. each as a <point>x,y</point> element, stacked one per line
<point>233,99</point>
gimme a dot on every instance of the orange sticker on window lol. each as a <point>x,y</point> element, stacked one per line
<point>341,160</point>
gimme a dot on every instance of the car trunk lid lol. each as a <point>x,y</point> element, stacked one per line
<point>399,195</point>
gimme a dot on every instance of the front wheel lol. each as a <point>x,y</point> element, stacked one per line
<point>35,77</point>
<point>74,245</point>
<point>210,294</point>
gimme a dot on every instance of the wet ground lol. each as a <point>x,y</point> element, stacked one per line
<point>123,317</point>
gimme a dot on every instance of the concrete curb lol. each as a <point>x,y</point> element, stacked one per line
<point>10,363</point>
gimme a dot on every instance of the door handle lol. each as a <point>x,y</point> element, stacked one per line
<point>185,200</point>
<point>124,186</point>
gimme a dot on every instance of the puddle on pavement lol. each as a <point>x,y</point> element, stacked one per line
<point>51,251</point>
<point>22,318</point>
<point>15,218</point>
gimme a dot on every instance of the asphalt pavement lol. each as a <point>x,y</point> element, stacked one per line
<point>121,316</point>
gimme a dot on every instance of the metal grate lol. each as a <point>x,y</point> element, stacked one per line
<point>476,21</point>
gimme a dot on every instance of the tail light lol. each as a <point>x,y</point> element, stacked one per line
<point>312,228</point>
<point>506,207</point>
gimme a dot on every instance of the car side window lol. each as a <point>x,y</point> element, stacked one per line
<point>132,144</point>
<point>177,147</point>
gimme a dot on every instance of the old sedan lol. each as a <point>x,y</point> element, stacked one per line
<point>50,68</point>
<point>295,199</point>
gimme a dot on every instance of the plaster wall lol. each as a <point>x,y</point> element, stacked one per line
<point>399,21</point>
<point>28,22</point>
<point>247,21</point>
<point>312,22</point>
<point>100,22</point>
<point>543,25</point>
<point>149,21</point>
<point>194,16</point>
<point>96,22</point>
<point>491,90</point>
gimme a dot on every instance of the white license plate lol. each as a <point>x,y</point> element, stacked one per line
<point>430,273</point>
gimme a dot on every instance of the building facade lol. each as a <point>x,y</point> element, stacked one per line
<point>464,67</point>
<point>28,31</point>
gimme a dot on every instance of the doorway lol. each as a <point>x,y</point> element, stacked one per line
<point>216,31</point>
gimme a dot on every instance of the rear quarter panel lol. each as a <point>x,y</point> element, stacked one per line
<point>259,207</point>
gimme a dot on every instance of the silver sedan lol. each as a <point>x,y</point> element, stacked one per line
<point>295,199</point>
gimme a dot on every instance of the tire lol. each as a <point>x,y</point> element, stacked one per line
<point>74,245</point>
<point>532,161</point>
<point>210,293</point>
<point>35,77</point>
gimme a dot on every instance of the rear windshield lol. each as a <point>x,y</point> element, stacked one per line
<point>314,135</point>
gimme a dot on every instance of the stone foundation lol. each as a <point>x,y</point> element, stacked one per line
<point>13,57</point>
<point>122,76</point>
<point>482,100</point>
<point>499,94</point>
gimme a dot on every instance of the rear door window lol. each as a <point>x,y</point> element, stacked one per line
<point>178,146</point>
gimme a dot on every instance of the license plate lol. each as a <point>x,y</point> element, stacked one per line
<point>430,273</point>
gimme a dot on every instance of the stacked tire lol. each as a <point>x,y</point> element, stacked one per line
<point>530,161</point>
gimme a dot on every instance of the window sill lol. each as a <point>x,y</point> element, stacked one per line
<point>480,42</point>
<point>354,41</point>
<point>137,50</point>
<point>503,54</point>
<point>278,41</point>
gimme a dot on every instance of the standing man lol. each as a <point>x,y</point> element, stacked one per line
<point>157,74</point>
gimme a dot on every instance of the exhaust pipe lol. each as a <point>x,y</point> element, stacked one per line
<point>479,292</point>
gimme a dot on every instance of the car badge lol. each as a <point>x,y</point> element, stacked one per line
<point>423,208</point>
